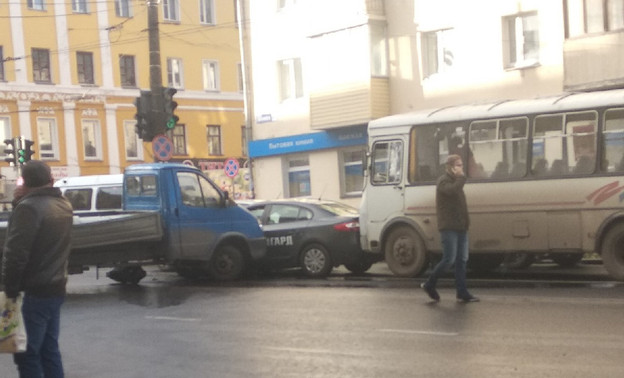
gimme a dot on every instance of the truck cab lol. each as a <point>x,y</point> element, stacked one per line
<point>205,231</point>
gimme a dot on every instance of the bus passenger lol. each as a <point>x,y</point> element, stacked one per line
<point>453,222</point>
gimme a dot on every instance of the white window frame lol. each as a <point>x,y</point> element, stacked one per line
<point>123,8</point>
<point>210,137</point>
<point>437,52</point>
<point>41,73</point>
<point>175,72</point>
<point>296,169</point>
<point>290,77</point>
<point>91,132</point>
<point>80,6</point>
<point>36,5</point>
<point>132,141</point>
<point>344,164</point>
<point>47,131</point>
<point>521,40</point>
<point>210,75</point>
<point>171,10</point>
<point>207,12</point>
<point>593,17</point>
<point>5,132</point>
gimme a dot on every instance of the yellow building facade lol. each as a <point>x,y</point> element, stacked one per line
<point>70,72</point>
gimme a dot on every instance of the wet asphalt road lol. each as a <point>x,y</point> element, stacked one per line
<point>345,326</point>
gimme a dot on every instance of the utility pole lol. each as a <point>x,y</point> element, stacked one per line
<point>154,47</point>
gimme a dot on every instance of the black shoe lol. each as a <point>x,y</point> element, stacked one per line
<point>431,292</point>
<point>467,299</point>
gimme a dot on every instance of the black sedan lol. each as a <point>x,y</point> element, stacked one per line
<point>315,235</point>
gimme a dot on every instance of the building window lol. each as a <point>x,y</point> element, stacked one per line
<point>241,84</point>
<point>299,177</point>
<point>178,138</point>
<point>291,82</point>
<point>80,6</point>
<point>85,67</point>
<point>5,132</point>
<point>379,50</point>
<point>41,65</point>
<point>521,40</point>
<point>437,52</point>
<point>244,147</point>
<point>175,78</point>
<point>170,10</point>
<point>2,78</point>
<point>122,8</point>
<point>91,139</point>
<point>210,70</point>
<point>36,4</point>
<point>352,176</point>
<point>593,16</point>
<point>206,12</point>
<point>214,140</point>
<point>132,141</point>
<point>127,70</point>
<point>47,138</point>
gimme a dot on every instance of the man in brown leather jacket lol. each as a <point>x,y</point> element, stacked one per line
<point>453,223</point>
<point>34,261</point>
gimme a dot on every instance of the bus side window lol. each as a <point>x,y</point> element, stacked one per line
<point>613,140</point>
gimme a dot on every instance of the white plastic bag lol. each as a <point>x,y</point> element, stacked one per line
<point>12,329</point>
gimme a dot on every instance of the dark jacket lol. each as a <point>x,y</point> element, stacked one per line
<point>37,244</point>
<point>451,206</point>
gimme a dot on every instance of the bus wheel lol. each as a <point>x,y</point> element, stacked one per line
<point>567,260</point>
<point>405,253</point>
<point>227,264</point>
<point>613,252</point>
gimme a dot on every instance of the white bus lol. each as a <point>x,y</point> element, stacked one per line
<point>545,175</point>
<point>92,194</point>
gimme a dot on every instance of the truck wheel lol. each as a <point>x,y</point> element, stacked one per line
<point>405,252</point>
<point>227,264</point>
<point>315,261</point>
<point>612,252</point>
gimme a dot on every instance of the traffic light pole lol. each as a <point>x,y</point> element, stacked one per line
<point>154,46</point>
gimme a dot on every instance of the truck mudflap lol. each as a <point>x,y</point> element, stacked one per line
<point>257,248</point>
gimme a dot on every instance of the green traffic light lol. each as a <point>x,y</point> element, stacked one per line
<point>171,122</point>
<point>21,156</point>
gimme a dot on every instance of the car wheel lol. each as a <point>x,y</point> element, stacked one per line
<point>612,251</point>
<point>405,252</point>
<point>315,261</point>
<point>227,264</point>
<point>359,267</point>
<point>567,260</point>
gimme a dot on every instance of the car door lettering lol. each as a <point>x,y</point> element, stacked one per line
<point>280,240</point>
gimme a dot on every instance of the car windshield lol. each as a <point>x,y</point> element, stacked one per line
<point>339,209</point>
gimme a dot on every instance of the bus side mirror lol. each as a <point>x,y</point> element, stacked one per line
<point>365,167</point>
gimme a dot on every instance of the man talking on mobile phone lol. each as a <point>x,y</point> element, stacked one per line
<point>453,223</point>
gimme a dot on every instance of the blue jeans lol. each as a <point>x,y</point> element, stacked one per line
<point>454,251</point>
<point>42,318</point>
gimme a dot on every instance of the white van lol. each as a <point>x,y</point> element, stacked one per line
<point>95,193</point>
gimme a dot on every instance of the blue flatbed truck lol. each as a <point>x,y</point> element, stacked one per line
<point>172,214</point>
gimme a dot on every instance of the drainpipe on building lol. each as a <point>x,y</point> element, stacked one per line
<point>247,100</point>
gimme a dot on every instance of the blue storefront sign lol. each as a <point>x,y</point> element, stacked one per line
<point>350,136</point>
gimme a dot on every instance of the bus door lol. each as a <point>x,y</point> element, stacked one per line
<point>385,196</point>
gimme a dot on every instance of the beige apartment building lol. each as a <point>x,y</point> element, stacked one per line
<point>321,69</point>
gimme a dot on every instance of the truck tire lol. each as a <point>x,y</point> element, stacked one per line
<point>612,251</point>
<point>405,252</point>
<point>227,264</point>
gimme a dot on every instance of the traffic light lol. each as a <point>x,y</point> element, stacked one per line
<point>143,115</point>
<point>10,151</point>
<point>25,153</point>
<point>170,106</point>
